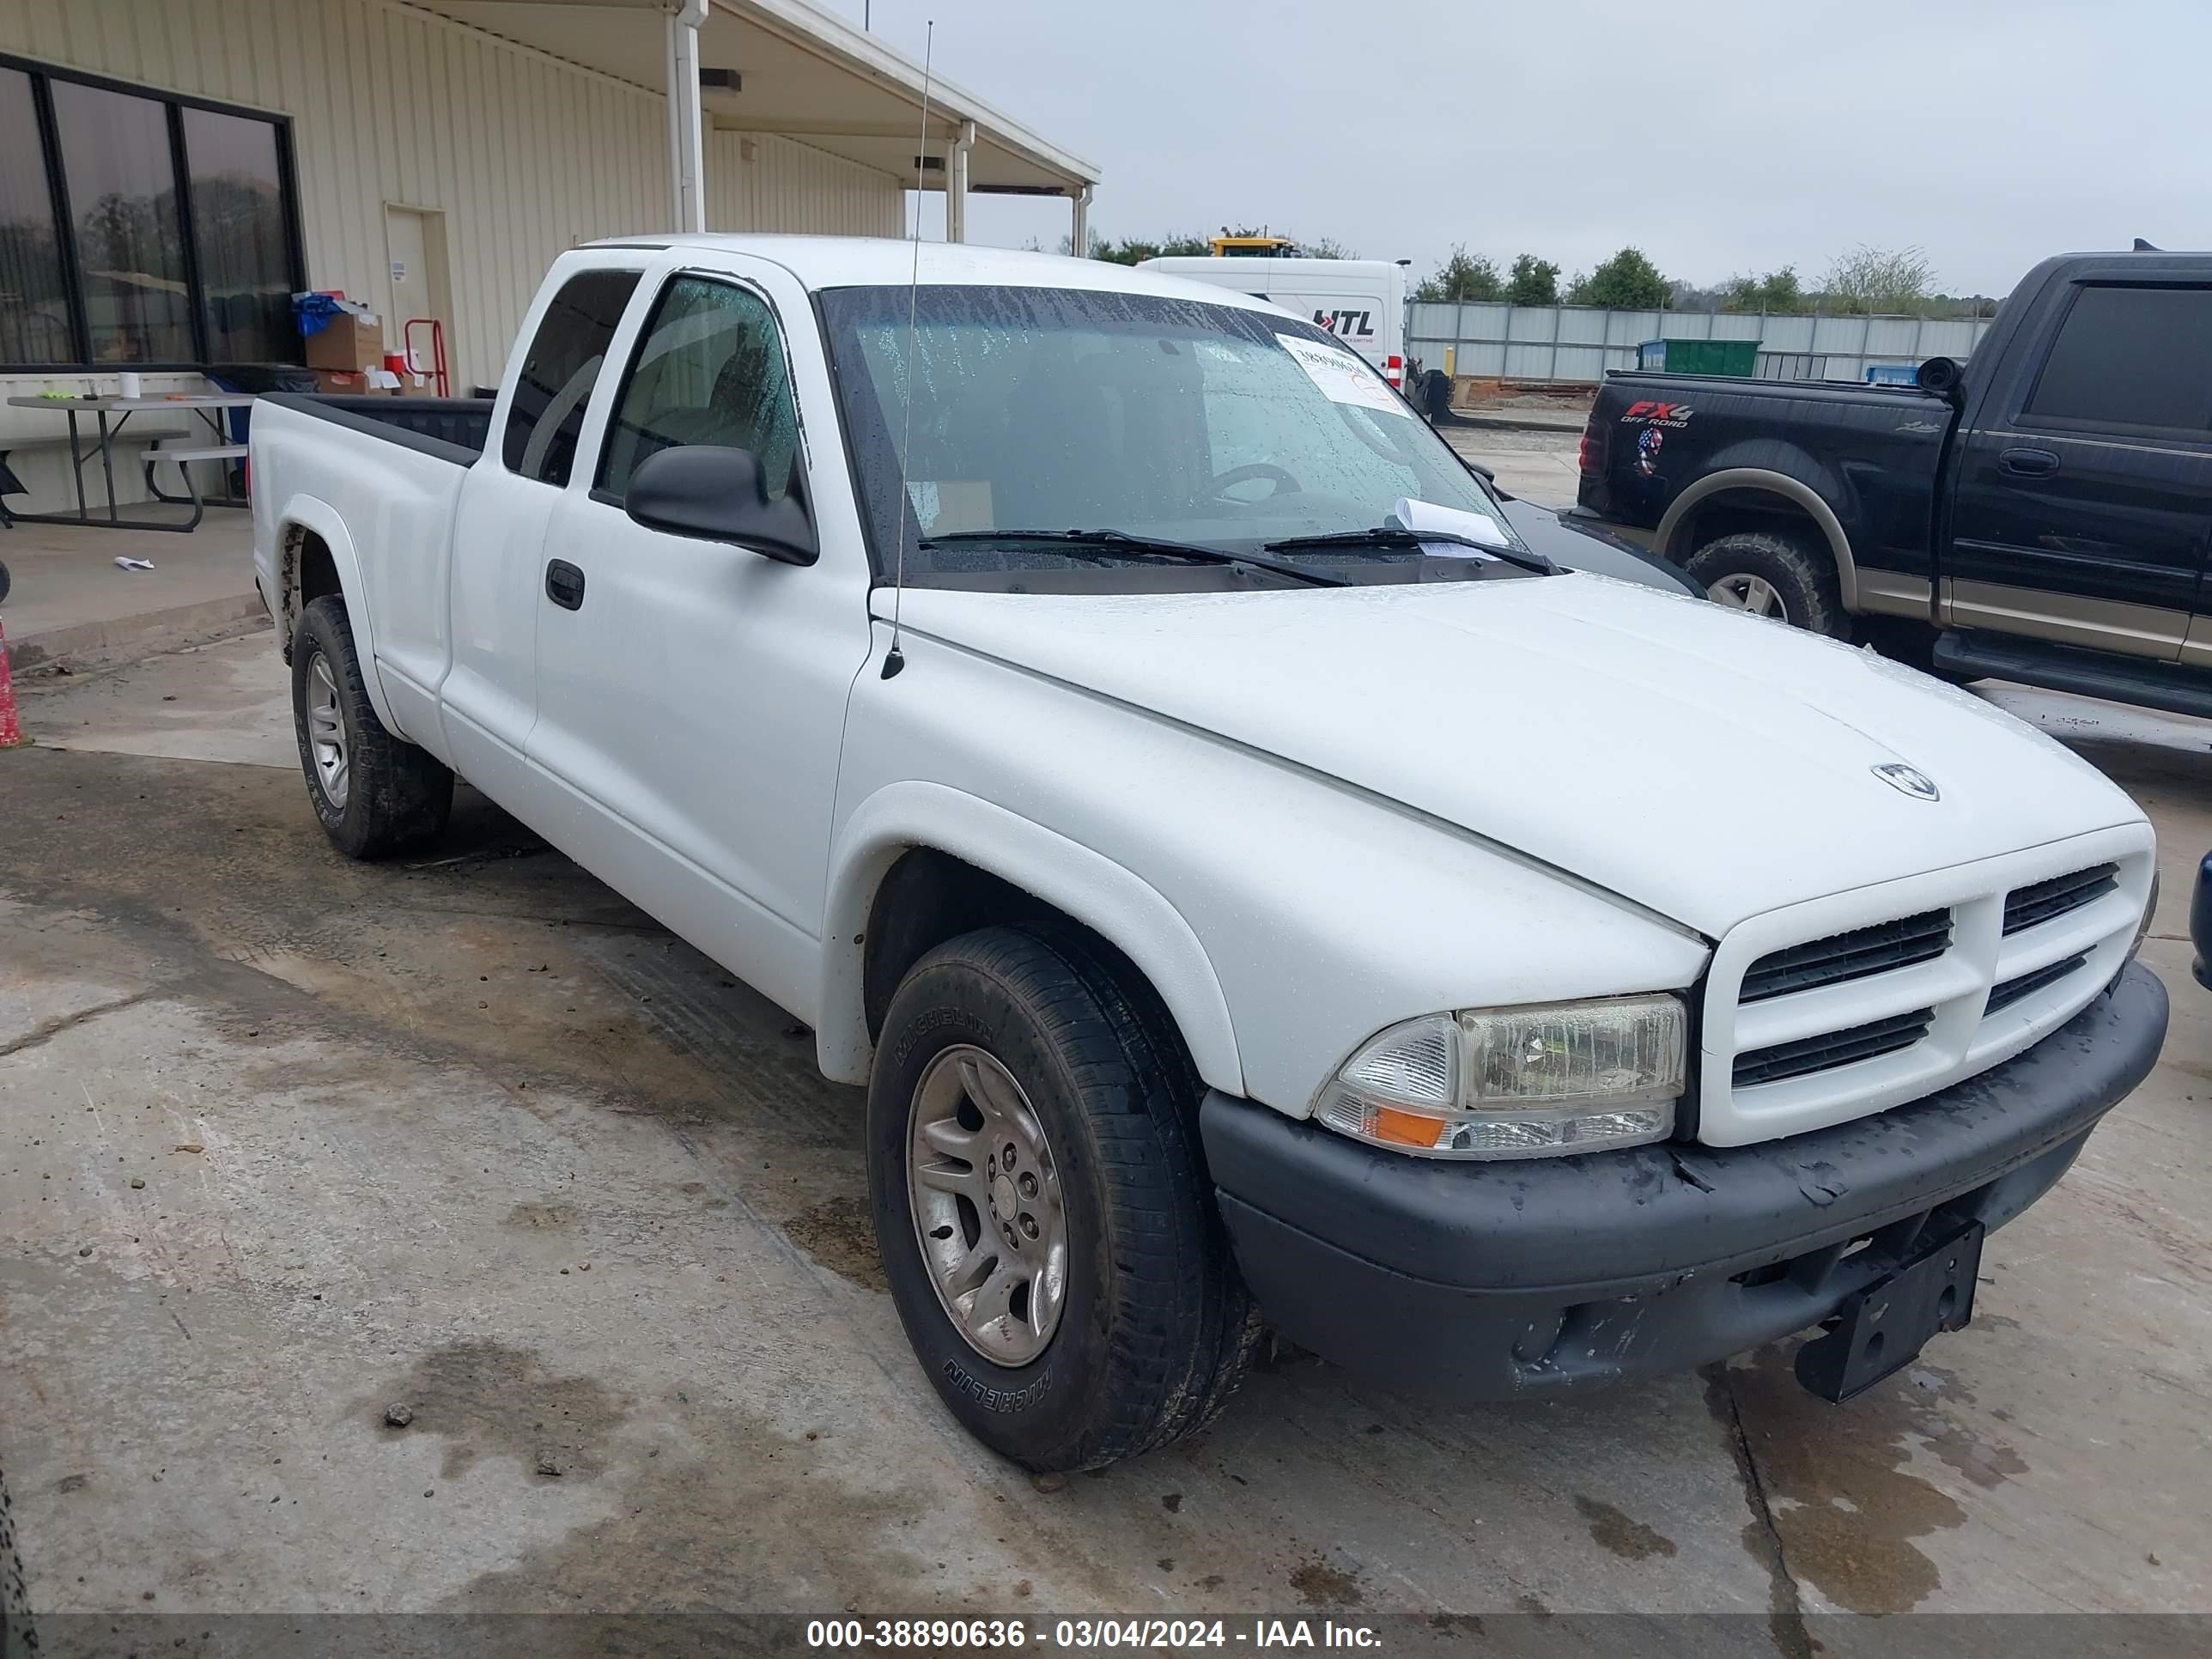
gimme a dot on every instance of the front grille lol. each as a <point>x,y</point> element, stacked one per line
<point>1830,1049</point>
<point>2005,995</point>
<point>2026,906</point>
<point>1841,956</point>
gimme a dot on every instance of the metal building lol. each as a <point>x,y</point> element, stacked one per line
<point>171,170</point>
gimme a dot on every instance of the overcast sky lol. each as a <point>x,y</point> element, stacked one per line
<point>1719,136</point>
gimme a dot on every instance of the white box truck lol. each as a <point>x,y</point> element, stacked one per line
<point>1361,301</point>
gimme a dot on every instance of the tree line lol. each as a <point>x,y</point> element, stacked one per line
<point>1862,280</point>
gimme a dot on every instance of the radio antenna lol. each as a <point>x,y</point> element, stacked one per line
<point>895,658</point>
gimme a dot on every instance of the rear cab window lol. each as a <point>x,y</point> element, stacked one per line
<point>2129,357</point>
<point>545,413</point>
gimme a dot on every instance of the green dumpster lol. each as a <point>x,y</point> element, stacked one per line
<point>1699,356</point>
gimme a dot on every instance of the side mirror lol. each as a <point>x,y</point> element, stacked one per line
<point>720,495</point>
<point>1940,375</point>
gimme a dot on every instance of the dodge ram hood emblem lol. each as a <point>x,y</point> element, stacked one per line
<point>1908,780</point>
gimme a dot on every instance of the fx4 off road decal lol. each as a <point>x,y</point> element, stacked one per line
<point>1346,324</point>
<point>1645,412</point>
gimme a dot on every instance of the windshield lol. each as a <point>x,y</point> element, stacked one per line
<point>1170,419</point>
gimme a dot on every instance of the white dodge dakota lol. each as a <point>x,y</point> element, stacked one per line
<point>1249,881</point>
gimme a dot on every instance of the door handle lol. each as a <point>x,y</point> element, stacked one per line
<point>2028,463</point>
<point>564,585</point>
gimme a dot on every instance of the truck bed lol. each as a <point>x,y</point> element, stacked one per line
<point>454,429</point>
<point>1871,454</point>
<point>1652,382</point>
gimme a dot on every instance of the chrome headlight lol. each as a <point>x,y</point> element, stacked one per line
<point>1528,1081</point>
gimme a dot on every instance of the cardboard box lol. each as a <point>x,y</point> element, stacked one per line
<point>348,382</point>
<point>347,344</point>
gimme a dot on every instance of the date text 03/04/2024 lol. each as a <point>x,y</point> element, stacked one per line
<point>989,1634</point>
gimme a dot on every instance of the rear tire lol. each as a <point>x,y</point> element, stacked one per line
<point>1151,1325</point>
<point>376,795</point>
<point>1774,575</point>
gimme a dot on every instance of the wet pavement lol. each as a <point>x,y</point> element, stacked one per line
<point>286,1142</point>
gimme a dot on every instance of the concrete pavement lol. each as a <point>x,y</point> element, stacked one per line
<point>1538,466</point>
<point>285,1141</point>
<point>69,603</point>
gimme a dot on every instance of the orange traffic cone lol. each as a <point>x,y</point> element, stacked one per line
<point>11,734</point>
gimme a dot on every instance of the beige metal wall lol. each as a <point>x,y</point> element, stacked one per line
<point>758,182</point>
<point>525,154</point>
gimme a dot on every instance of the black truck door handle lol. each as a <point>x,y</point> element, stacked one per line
<point>2028,463</point>
<point>564,585</point>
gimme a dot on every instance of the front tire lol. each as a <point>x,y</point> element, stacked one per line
<point>1079,1303</point>
<point>376,795</point>
<point>1772,575</point>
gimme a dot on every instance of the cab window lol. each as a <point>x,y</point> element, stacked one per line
<point>2131,357</point>
<point>709,369</point>
<point>546,414</point>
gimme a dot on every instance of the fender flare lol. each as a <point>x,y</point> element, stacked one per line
<point>310,514</point>
<point>1122,908</point>
<point>1776,483</point>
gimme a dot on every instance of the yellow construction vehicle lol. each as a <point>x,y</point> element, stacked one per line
<point>1226,246</point>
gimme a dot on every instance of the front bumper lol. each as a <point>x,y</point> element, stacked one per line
<point>1494,1280</point>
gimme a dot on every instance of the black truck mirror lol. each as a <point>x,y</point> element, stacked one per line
<point>720,495</point>
<point>1940,375</point>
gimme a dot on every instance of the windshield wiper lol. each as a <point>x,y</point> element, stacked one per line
<point>1121,541</point>
<point>1527,559</point>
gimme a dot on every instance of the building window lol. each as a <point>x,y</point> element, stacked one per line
<point>34,310</point>
<point>141,229</point>
<point>244,237</point>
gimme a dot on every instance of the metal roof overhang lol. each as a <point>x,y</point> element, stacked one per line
<point>802,73</point>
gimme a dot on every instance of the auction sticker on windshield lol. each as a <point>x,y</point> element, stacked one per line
<point>1342,378</point>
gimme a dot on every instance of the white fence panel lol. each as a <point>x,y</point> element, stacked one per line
<point>1491,340</point>
<point>1784,333</point>
<point>1582,325</point>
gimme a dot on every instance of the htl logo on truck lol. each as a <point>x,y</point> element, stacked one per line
<point>1346,324</point>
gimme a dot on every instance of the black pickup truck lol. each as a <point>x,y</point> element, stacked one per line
<point>2043,514</point>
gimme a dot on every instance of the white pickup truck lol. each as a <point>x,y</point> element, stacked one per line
<point>1250,883</point>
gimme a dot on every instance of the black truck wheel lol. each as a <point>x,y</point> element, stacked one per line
<point>1774,575</point>
<point>376,795</point>
<point>1041,1205</point>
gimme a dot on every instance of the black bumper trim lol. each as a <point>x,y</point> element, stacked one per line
<point>1498,1278</point>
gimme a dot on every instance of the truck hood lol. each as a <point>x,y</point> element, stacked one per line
<point>1701,762</point>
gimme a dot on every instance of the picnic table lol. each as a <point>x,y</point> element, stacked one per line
<point>113,415</point>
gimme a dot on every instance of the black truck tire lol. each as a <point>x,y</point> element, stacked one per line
<point>1152,1326</point>
<point>1776,574</point>
<point>376,794</point>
